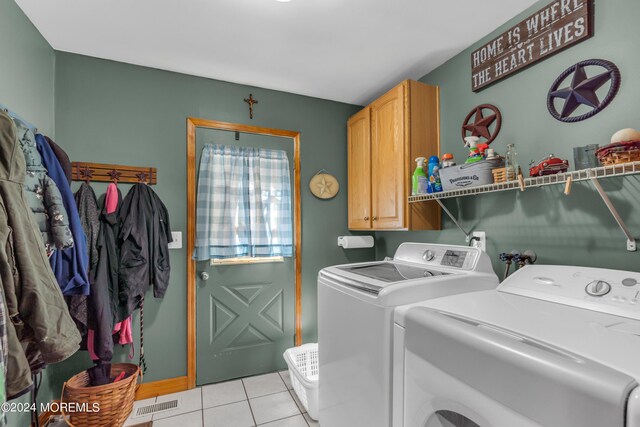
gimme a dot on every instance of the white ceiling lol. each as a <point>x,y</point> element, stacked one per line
<point>343,50</point>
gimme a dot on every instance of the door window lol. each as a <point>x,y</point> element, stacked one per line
<point>243,204</point>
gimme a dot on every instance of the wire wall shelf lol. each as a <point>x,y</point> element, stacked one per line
<point>540,181</point>
<point>568,178</point>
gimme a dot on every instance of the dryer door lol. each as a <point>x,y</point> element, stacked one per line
<point>449,419</point>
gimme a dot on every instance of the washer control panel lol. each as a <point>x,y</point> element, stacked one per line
<point>608,291</point>
<point>451,257</point>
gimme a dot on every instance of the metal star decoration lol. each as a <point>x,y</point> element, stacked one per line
<point>583,90</point>
<point>481,123</point>
<point>115,175</point>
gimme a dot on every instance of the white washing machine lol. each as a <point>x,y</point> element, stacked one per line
<point>553,346</point>
<point>355,323</point>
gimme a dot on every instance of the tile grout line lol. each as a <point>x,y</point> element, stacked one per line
<point>270,394</point>
<point>247,397</point>
<point>178,415</point>
<point>201,405</point>
<point>285,418</point>
<point>255,423</point>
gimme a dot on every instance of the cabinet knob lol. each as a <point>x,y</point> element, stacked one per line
<point>375,218</point>
<point>366,218</point>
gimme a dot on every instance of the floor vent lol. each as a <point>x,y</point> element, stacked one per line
<point>156,408</point>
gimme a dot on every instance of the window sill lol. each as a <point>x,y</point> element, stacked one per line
<point>246,260</point>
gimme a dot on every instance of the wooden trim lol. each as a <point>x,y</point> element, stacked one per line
<point>297,215</point>
<point>191,263</point>
<point>234,127</point>
<point>192,124</point>
<point>162,387</point>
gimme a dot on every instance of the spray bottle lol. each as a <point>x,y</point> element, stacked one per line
<point>419,181</point>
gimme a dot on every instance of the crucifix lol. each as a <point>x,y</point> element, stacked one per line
<point>250,101</point>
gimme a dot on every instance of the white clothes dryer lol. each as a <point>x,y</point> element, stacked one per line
<point>553,346</point>
<point>355,323</point>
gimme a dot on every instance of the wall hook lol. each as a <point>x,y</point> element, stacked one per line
<point>102,172</point>
<point>115,175</point>
<point>143,177</point>
<point>86,174</point>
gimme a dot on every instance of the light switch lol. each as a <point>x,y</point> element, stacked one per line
<point>177,240</point>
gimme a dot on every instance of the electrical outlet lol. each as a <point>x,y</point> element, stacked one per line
<point>177,240</point>
<point>480,240</point>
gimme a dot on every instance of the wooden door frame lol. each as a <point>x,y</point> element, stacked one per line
<point>192,125</point>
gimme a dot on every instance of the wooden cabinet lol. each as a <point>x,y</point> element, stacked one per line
<point>359,182</point>
<point>384,140</point>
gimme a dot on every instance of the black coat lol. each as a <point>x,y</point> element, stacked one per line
<point>103,300</point>
<point>145,235</point>
<point>63,158</point>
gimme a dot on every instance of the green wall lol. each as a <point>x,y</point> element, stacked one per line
<point>575,230</point>
<point>26,68</point>
<point>117,113</point>
<point>27,89</point>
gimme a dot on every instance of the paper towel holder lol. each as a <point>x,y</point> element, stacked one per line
<point>355,242</point>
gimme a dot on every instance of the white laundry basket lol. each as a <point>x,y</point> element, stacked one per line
<point>303,370</point>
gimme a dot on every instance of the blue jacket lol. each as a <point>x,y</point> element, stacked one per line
<point>69,265</point>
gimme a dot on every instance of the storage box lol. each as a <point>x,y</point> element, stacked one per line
<point>303,371</point>
<point>469,174</point>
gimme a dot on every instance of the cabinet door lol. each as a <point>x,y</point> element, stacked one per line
<point>388,173</point>
<point>359,154</point>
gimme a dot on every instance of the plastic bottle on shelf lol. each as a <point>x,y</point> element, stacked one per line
<point>447,160</point>
<point>511,163</point>
<point>420,183</point>
<point>434,180</point>
<point>434,162</point>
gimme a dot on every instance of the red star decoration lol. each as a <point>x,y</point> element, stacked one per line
<point>582,91</point>
<point>480,125</point>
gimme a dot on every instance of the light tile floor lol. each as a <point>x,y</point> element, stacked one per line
<point>263,400</point>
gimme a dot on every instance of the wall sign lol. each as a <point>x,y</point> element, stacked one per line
<point>553,28</point>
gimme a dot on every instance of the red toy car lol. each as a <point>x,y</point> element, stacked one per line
<point>548,166</point>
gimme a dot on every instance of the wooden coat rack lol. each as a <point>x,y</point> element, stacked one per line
<point>101,172</point>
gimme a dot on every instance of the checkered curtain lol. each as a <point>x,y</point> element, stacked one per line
<point>243,204</point>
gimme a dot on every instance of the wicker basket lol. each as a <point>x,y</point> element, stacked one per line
<point>617,158</point>
<point>500,175</point>
<point>115,400</point>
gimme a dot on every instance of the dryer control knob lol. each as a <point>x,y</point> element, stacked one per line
<point>598,288</point>
<point>428,255</point>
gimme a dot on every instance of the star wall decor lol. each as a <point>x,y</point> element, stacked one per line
<point>582,90</point>
<point>324,186</point>
<point>482,122</point>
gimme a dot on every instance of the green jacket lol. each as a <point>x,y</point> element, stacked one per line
<point>43,195</point>
<point>40,328</point>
